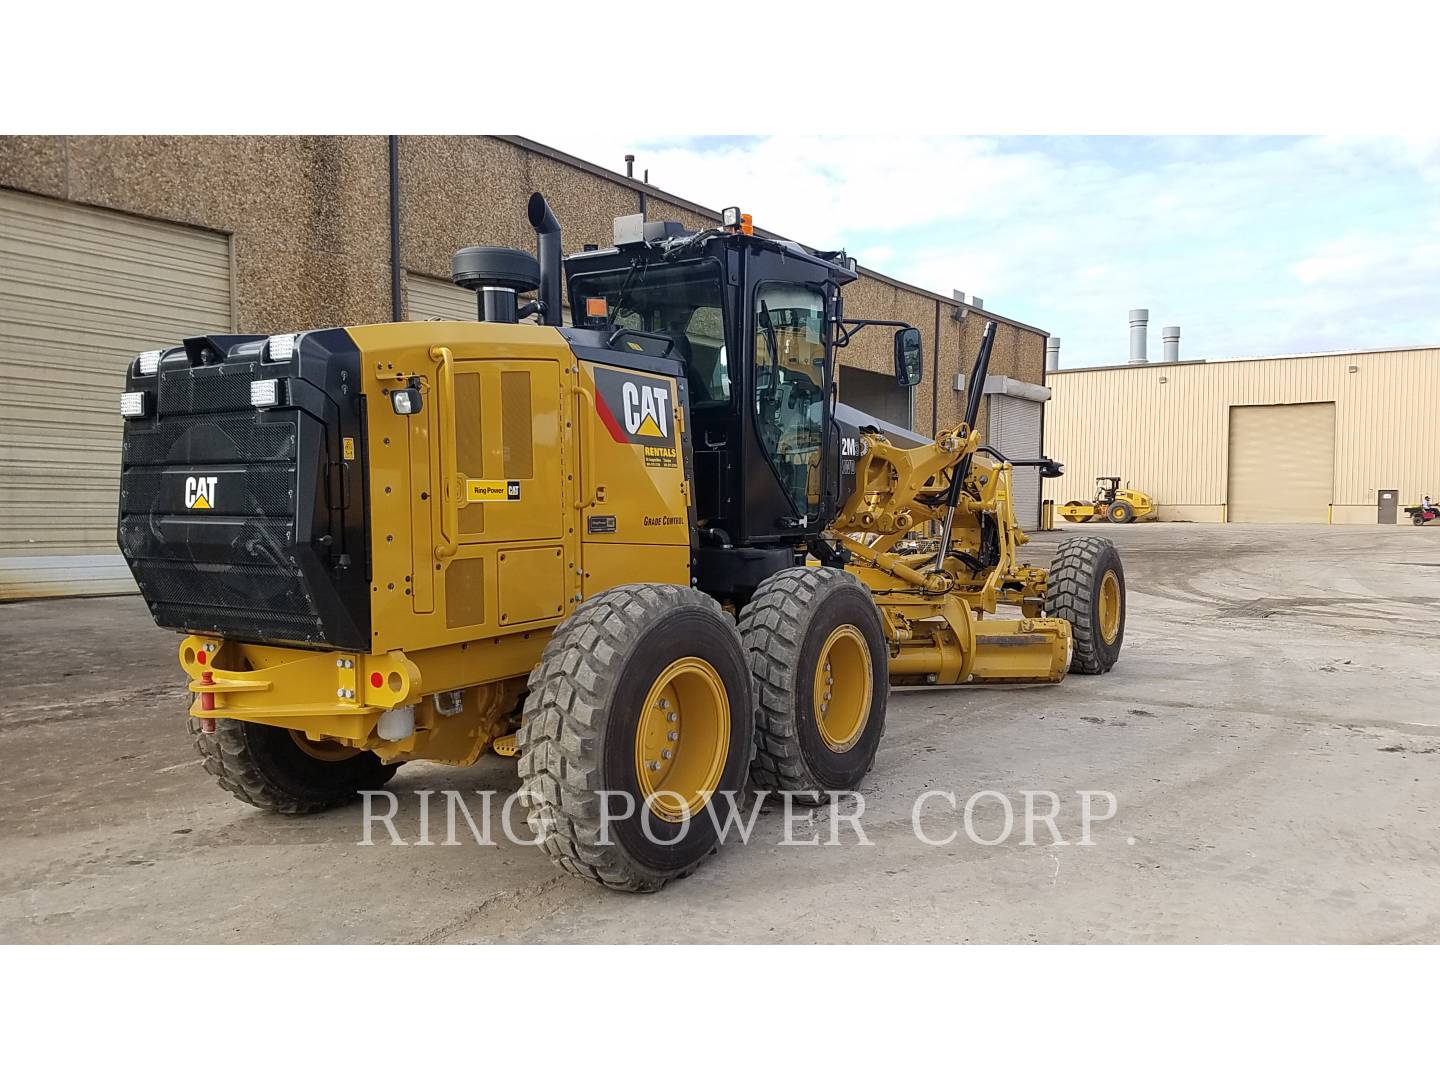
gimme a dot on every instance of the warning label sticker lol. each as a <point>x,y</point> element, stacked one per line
<point>492,490</point>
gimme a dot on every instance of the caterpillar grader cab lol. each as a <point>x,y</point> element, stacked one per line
<point>1113,502</point>
<point>647,554</point>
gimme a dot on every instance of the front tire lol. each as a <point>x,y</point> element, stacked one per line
<point>1086,588</point>
<point>279,770</point>
<point>816,649</point>
<point>642,692</point>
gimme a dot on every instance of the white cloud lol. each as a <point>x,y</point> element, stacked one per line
<point>1341,263</point>
<point>1252,245</point>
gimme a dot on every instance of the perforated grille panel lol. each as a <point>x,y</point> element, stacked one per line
<point>206,390</point>
<point>516,425</point>
<point>212,439</point>
<point>257,490</point>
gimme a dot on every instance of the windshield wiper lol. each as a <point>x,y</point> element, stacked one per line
<point>624,290</point>
<point>771,342</point>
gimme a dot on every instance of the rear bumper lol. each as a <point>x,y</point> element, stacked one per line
<point>324,694</point>
<point>342,695</point>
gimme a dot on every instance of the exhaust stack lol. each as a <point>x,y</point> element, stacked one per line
<point>1052,354</point>
<point>1139,335</point>
<point>547,248</point>
<point>1170,336</point>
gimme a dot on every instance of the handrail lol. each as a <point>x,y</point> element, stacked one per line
<point>585,493</point>
<point>450,490</point>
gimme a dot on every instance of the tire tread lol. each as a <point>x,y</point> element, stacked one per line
<point>772,626</point>
<point>1070,595</point>
<point>559,741</point>
<point>229,758</point>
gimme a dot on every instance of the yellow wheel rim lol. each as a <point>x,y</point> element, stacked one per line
<point>323,749</point>
<point>683,739</point>
<point>843,688</point>
<point>1110,607</point>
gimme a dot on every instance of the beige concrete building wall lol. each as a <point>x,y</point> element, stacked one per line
<point>310,222</point>
<point>1165,427</point>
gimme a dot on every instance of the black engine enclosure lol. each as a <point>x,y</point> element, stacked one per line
<point>282,554</point>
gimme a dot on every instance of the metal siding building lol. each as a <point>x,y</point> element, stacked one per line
<point>1186,434</point>
<point>110,245</point>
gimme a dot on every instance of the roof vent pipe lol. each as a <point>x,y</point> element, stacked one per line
<point>1052,354</point>
<point>1139,335</point>
<point>1170,336</point>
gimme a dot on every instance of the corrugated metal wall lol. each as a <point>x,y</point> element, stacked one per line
<point>1165,427</point>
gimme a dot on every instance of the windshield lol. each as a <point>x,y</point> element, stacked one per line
<point>678,299</point>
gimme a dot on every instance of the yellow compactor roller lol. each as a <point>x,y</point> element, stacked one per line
<point>649,553</point>
<point>1112,502</point>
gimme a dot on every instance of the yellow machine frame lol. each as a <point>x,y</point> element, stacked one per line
<point>941,620</point>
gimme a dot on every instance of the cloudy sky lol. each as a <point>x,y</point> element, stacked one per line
<point>1252,245</point>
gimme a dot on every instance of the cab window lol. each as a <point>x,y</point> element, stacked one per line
<point>682,301</point>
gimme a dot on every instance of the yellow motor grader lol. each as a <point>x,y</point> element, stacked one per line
<point>648,554</point>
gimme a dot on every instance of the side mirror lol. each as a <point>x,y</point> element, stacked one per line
<point>909,357</point>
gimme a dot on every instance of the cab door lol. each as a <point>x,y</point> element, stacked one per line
<point>789,405</point>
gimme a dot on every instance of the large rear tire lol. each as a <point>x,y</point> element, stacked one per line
<point>1120,512</point>
<point>817,652</point>
<point>280,770</point>
<point>1086,588</point>
<point>642,692</point>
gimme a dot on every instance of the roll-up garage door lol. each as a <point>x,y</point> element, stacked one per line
<point>1282,462</point>
<point>431,298</point>
<point>1015,432</point>
<point>82,291</point>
